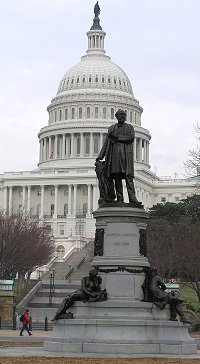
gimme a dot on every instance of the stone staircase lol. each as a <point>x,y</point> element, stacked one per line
<point>67,279</point>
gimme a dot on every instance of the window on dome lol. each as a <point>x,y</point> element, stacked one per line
<point>97,41</point>
<point>115,81</point>
<point>87,144</point>
<point>109,81</point>
<point>60,115</point>
<point>66,114</point>
<point>104,112</point>
<point>68,81</point>
<point>83,79</point>
<point>96,144</point>
<point>65,209</point>
<point>77,81</point>
<point>80,113</point>
<point>120,82</point>
<point>103,79</point>
<point>124,83</point>
<point>112,113</point>
<point>73,113</point>
<point>135,118</point>
<point>90,79</point>
<point>78,145</point>
<point>131,116</point>
<point>55,115</point>
<point>96,112</point>
<point>88,112</point>
<point>96,79</point>
<point>64,82</point>
<point>72,81</point>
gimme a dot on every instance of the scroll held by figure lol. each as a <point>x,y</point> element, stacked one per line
<point>154,290</point>
<point>118,153</point>
<point>90,291</point>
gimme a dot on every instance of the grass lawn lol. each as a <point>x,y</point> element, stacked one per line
<point>189,294</point>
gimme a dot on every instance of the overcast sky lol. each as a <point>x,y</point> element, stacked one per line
<point>155,42</point>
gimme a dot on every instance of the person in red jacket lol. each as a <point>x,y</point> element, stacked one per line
<point>25,321</point>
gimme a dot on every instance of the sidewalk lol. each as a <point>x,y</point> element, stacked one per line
<point>13,335</point>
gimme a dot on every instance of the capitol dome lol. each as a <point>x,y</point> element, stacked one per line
<point>88,96</point>
<point>95,72</point>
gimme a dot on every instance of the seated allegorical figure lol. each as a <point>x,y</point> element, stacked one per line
<point>154,291</point>
<point>90,291</point>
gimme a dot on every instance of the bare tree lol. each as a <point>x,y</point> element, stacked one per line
<point>192,164</point>
<point>24,245</point>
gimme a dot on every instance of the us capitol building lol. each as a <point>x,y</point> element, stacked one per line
<point>63,190</point>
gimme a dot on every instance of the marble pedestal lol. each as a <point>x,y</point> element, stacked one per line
<point>123,324</point>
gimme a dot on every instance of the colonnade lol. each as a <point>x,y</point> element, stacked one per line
<point>75,145</point>
<point>71,200</point>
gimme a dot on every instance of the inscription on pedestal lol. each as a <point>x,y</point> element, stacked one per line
<point>121,239</point>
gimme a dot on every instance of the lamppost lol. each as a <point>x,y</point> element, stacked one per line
<point>50,288</point>
<point>53,279</point>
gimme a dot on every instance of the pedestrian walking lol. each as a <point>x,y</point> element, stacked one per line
<point>25,322</point>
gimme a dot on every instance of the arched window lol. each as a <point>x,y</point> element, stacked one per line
<point>80,113</point>
<point>96,144</point>
<point>135,118</point>
<point>87,144</point>
<point>38,210</point>
<point>96,111</point>
<point>131,116</point>
<point>103,79</point>
<point>109,80</point>
<point>112,113</point>
<point>65,209</point>
<point>90,79</point>
<point>96,79</point>
<point>66,114</point>
<point>55,115</point>
<point>52,209</point>
<point>77,80</point>
<point>60,251</point>
<point>88,112</point>
<point>83,79</point>
<point>73,113</point>
<point>115,82</point>
<point>104,112</point>
<point>78,145</point>
<point>85,207</point>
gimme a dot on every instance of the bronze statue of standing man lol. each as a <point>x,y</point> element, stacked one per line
<point>118,152</point>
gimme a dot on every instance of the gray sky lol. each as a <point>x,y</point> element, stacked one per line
<point>155,42</point>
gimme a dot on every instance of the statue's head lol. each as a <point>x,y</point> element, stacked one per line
<point>93,272</point>
<point>120,116</point>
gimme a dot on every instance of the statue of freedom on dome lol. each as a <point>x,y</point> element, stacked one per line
<point>97,10</point>
<point>118,152</point>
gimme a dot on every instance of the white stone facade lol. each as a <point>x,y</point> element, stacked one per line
<point>63,191</point>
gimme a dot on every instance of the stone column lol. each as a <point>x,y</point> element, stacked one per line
<point>63,146</point>
<point>89,200</point>
<point>29,200</point>
<point>101,140</point>
<point>56,202</point>
<point>70,201</point>
<point>75,198</point>
<point>40,156</point>
<point>45,148</point>
<point>135,149</point>
<point>91,144</point>
<point>55,146</point>
<point>50,156</point>
<point>95,202</point>
<point>72,145</point>
<point>147,152</point>
<point>82,145</point>
<point>42,202</point>
<point>24,199</point>
<point>140,149</point>
<point>5,204</point>
<point>10,199</point>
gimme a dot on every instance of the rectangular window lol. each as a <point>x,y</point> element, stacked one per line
<point>20,193</point>
<point>38,193</point>
<point>163,199</point>
<point>53,193</point>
